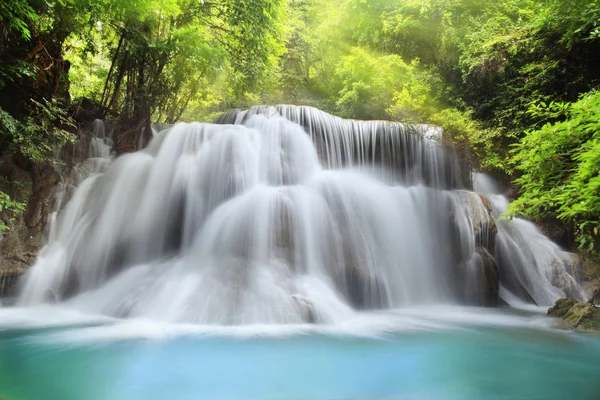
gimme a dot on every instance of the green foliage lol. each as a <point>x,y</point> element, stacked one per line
<point>389,60</point>
<point>495,75</point>
<point>470,137</point>
<point>156,58</point>
<point>528,52</point>
<point>560,165</point>
<point>363,93</point>
<point>11,72</point>
<point>39,135</point>
<point>17,14</point>
<point>9,208</point>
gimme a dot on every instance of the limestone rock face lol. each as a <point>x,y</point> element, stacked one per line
<point>583,316</point>
<point>36,185</point>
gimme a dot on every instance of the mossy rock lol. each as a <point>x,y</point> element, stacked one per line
<point>561,307</point>
<point>578,315</point>
<point>584,316</point>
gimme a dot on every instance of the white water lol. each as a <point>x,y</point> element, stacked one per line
<point>76,326</point>
<point>307,218</point>
<point>531,265</point>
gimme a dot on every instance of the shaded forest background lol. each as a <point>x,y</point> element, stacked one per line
<point>513,83</point>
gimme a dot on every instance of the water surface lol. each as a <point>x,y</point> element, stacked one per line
<point>471,359</point>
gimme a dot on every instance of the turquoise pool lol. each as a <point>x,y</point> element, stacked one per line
<point>467,360</point>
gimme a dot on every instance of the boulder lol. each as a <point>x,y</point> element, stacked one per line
<point>583,316</point>
<point>561,307</point>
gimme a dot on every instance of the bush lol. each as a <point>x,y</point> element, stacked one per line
<point>560,165</point>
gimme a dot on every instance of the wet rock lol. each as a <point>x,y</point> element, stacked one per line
<point>591,270</point>
<point>39,206</point>
<point>306,308</point>
<point>574,265</point>
<point>561,307</point>
<point>473,235</point>
<point>485,228</point>
<point>579,315</point>
<point>129,135</point>
<point>34,184</point>
<point>486,203</point>
<point>555,231</point>
<point>594,297</point>
<point>478,281</point>
<point>489,278</point>
<point>567,271</point>
<point>583,316</point>
<point>8,281</point>
<point>478,209</point>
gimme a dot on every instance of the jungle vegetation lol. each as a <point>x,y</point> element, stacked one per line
<point>513,83</point>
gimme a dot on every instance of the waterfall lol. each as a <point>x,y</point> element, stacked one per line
<point>286,215</point>
<point>532,267</point>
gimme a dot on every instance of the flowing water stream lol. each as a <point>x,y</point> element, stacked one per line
<point>284,253</point>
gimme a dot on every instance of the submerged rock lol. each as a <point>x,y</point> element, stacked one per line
<point>578,315</point>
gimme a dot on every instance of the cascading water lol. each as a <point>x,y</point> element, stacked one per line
<point>532,267</point>
<point>96,159</point>
<point>287,215</point>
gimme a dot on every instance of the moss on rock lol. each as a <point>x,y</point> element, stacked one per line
<point>561,307</point>
<point>578,315</point>
<point>583,316</point>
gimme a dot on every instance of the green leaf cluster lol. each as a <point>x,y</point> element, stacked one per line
<point>17,15</point>
<point>9,208</point>
<point>40,134</point>
<point>560,170</point>
<point>154,59</point>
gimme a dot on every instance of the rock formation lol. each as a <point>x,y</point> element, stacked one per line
<point>578,315</point>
